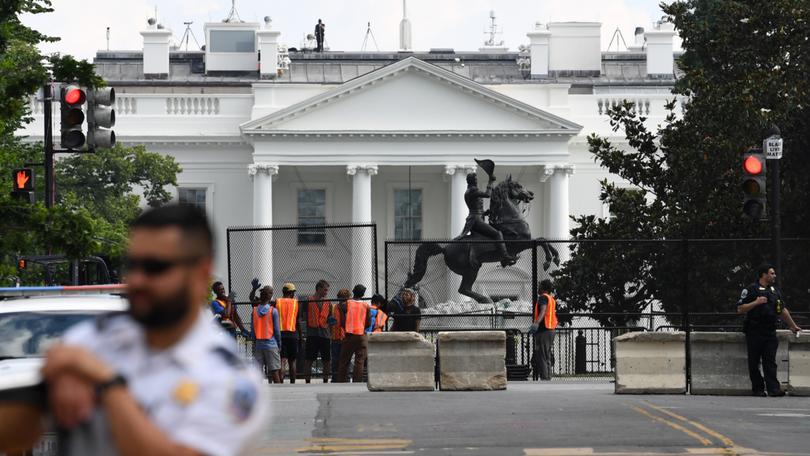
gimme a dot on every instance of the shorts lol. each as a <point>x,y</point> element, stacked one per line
<point>269,357</point>
<point>319,346</point>
<point>289,347</point>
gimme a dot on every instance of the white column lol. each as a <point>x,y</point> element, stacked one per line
<point>558,208</point>
<point>362,250</point>
<point>262,174</point>
<point>458,217</point>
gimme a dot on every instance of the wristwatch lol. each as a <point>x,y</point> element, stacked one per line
<point>117,380</point>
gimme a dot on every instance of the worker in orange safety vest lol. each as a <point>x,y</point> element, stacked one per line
<point>355,318</point>
<point>544,326</point>
<point>316,313</point>
<point>287,307</point>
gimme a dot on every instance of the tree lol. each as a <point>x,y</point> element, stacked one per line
<point>95,199</point>
<point>744,68</point>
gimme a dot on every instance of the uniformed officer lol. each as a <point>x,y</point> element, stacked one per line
<point>161,378</point>
<point>762,303</point>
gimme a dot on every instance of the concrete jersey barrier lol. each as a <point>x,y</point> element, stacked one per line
<point>720,362</point>
<point>650,363</point>
<point>400,361</point>
<point>472,360</point>
<point>799,369</point>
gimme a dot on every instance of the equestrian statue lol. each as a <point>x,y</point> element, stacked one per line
<point>507,230</point>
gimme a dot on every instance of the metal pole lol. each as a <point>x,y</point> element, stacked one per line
<point>48,139</point>
<point>776,225</point>
<point>687,326</point>
<point>376,275</point>
<point>228,250</point>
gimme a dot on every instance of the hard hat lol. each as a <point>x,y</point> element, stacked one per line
<point>288,287</point>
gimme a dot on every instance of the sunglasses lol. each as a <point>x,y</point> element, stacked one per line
<point>155,266</point>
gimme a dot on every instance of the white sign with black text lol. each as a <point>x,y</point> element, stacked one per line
<point>773,147</point>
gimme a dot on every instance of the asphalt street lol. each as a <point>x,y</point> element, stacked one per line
<point>530,419</point>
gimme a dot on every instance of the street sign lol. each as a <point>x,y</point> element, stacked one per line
<point>773,147</point>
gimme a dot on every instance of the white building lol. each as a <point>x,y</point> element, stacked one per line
<point>329,137</point>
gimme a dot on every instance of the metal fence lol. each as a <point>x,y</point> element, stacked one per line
<point>343,255</point>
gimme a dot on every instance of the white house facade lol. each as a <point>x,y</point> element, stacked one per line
<point>266,137</point>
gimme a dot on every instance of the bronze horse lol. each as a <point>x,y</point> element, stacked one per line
<point>465,259</point>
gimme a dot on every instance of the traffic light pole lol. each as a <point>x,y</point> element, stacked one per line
<point>776,217</point>
<point>50,195</point>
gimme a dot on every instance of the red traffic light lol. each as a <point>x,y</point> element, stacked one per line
<point>23,180</point>
<point>752,165</point>
<point>74,95</point>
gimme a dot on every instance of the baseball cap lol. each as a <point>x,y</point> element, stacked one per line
<point>288,287</point>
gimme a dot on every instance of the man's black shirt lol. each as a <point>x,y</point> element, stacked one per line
<point>406,319</point>
<point>763,317</point>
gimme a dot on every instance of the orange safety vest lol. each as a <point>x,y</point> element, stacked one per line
<point>263,325</point>
<point>356,317</point>
<point>287,313</point>
<point>338,333</point>
<point>318,313</point>
<point>379,323</point>
<point>550,318</point>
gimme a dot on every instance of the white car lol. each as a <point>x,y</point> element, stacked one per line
<point>29,325</point>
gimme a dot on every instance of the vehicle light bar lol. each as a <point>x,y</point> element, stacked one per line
<point>62,290</point>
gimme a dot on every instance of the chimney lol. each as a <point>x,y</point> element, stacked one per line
<point>538,47</point>
<point>268,49</point>
<point>638,43</point>
<point>156,51</point>
<point>660,60</point>
<point>575,49</point>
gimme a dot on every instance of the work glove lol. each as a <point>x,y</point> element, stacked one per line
<point>255,283</point>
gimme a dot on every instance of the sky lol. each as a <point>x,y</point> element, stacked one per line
<point>458,24</point>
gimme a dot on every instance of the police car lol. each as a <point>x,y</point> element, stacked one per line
<point>32,319</point>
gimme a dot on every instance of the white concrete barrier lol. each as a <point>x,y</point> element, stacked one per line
<point>650,363</point>
<point>400,361</point>
<point>720,362</point>
<point>799,369</point>
<point>472,360</point>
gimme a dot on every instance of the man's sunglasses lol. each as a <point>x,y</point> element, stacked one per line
<point>155,266</point>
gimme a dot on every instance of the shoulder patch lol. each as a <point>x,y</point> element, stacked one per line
<point>744,293</point>
<point>243,398</point>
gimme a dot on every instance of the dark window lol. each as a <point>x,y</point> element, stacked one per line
<point>312,212</point>
<point>192,196</point>
<point>233,41</point>
<point>408,214</point>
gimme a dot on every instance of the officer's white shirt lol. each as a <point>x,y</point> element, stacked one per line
<point>199,392</point>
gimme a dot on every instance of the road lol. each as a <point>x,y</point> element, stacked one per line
<point>533,419</point>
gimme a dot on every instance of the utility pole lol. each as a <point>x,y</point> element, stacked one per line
<point>773,146</point>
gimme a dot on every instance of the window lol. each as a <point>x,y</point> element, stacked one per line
<point>311,211</point>
<point>408,214</point>
<point>192,196</point>
<point>233,41</point>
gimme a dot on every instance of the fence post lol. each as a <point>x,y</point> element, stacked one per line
<point>687,324</point>
<point>534,274</point>
<point>374,254</point>
<point>387,296</point>
<point>228,252</point>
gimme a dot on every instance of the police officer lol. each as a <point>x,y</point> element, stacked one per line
<point>161,378</point>
<point>762,303</point>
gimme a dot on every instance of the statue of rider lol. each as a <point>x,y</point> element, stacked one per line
<point>475,221</point>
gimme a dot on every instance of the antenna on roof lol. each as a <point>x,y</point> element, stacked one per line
<point>369,33</point>
<point>233,16</point>
<point>108,38</point>
<point>189,33</point>
<point>493,31</point>
<point>617,35</point>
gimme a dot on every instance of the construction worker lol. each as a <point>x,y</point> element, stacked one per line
<point>316,313</point>
<point>224,309</point>
<point>543,328</point>
<point>378,314</point>
<point>355,318</point>
<point>266,331</point>
<point>287,307</point>
<point>338,333</point>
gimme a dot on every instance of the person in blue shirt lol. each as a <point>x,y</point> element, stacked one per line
<point>224,310</point>
<point>266,347</point>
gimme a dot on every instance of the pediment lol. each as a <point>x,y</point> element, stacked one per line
<point>410,97</point>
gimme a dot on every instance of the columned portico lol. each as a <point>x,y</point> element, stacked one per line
<point>362,271</point>
<point>262,174</point>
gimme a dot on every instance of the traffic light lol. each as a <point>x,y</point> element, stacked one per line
<point>22,264</point>
<point>100,118</point>
<point>23,184</point>
<point>754,183</point>
<point>72,99</point>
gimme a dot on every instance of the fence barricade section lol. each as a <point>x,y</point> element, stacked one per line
<point>472,360</point>
<point>650,363</point>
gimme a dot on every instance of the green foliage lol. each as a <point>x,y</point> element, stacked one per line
<point>745,65</point>
<point>95,200</point>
